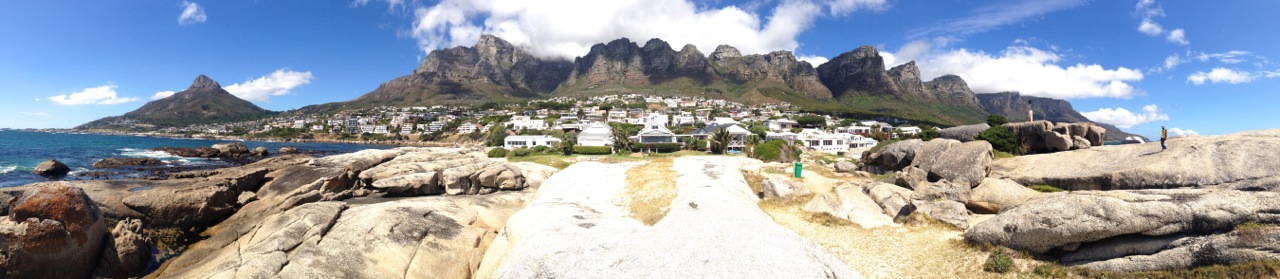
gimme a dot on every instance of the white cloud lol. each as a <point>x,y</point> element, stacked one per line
<point>1173,61</point>
<point>909,52</point>
<point>1150,28</point>
<point>1178,36</point>
<point>162,94</point>
<point>1148,10</point>
<point>280,82</point>
<point>1123,118</point>
<point>813,59</point>
<point>565,29</point>
<point>101,95</point>
<point>191,13</point>
<point>1220,75</point>
<point>1179,132</point>
<point>1031,71</point>
<point>37,114</point>
<point>995,15</point>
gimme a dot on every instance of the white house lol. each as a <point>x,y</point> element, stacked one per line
<point>618,115</point>
<point>779,125</point>
<point>596,134</point>
<point>737,133</point>
<point>909,130</point>
<point>466,128</point>
<point>525,122</point>
<point>381,129</point>
<point>820,140</point>
<point>655,133</point>
<point>859,141</point>
<point>854,129</point>
<point>785,135</point>
<point>513,142</point>
<point>722,120</point>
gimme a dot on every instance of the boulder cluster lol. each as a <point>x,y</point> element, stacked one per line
<point>1204,201</point>
<point>363,199</point>
<point>1045,137</point>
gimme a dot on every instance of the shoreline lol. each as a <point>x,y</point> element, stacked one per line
<point>396,143</point>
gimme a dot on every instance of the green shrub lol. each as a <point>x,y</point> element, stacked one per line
<point>592,150</point>
<point>661,147</point>
<point>522,152</point>
<point>497,152</point>
<point>770,151</point>
<point>928,134</point>
<point>1001,139</point>
<point>998,262</point>
<point>1046,188</point>
<point>1051,271</point>
<point>541,148</point>
<point>996,120</point>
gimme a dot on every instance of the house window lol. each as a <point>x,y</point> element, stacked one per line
<point>826,142</point>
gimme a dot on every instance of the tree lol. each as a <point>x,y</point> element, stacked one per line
<point>752,141</point>
<point>622,135</point>
<point>996,120</point>
<point>928,133</point>
<point>720,141</point>
<point>497,135</point>
<point>567,141</point>
<point>812,121</point>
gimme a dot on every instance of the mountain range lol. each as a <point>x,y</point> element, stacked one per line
<point>854,84</point>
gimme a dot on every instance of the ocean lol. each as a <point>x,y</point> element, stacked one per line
<point>21,151</point>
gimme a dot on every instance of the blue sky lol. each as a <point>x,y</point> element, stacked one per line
<point>1203,67</point>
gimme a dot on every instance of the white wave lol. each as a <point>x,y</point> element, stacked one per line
<point>7,169</point>
<point>143,153</point>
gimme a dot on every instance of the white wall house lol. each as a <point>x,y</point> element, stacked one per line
<point>855,129</point>
<point>861,142</point>
<point>514,142</point>
<point>655,133</point>
<point>826,142</point>
<point>779,125</point>
<point>737,133</point>
<point>596,134</point>
<point>525,122</point>
<point>786,135</point>
<point>909,130</point>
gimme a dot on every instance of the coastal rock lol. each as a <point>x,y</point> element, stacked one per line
<point>288,150</point>
<point>1031,134</point>
<point>51,169</point>
<point>1080,143</point>
<point>126,162</point>
<point>126,254</point>
<point>1068,219</point>
<point>963,163</point>
<point>894,201</point>
<point>965,133</point>
<point>779,186</point>
<point>893,157</point>
<point>1171,253</point>
<point>824,203</point>
<point>995,195</point>
<point>943,201</point>
<point>947,211</point>
<point>231,149</point>
<point>846,167</point>
<point>1014,106</point>
<point>200,204</point>
<point>859,208</point>
<point>197,152</point>
<point>1055,142</point>
<point>260,151</point>
<point>53,231</point>
<point>1228,161</point>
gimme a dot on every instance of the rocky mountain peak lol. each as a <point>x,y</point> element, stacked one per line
<point>906,74</point>
<point>204,82</point>
<point>689,48</point>
<point>725,51</point>
<point>857,72</point>
<point>865,52</point>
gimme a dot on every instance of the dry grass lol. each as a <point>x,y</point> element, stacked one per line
<point>651,187</point>
<point>755,181</point>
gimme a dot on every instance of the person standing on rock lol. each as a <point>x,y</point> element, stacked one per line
<point>1164,134</point>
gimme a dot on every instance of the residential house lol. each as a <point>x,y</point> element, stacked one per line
<point>854,129</point>
<point>785,135</point>
<point>779,125</point>
<point>380,129</point>
<point>618,115</point>
<point>655,133</point>
<point>525,122</point>
<point>909,130</point>
<point>861,142</point>
<point>513,142</point>
<point>738,135</point>
<point>596,134</point>
<point>406,129</point>
<point>467,128</point>
<point>722,121</point>
<point>820,140</point>
<point>435,126</point>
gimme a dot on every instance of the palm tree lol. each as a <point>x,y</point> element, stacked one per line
<point>720,141</point>
<point>752,141</point>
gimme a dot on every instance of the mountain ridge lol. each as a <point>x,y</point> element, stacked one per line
<point>204,102</point>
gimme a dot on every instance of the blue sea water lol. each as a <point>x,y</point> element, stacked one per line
<point>21,151</point>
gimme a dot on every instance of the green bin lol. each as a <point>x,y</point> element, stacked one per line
<point>799,167</point>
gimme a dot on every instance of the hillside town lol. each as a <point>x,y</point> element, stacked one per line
<point>650,123</point>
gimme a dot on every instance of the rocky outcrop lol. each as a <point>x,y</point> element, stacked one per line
<point>1045,137</point>
<point>894,201</point>
<point>623,62</point>
<point>1235,161</point>
<point>196,152</point>
<point>126,162</point>
<point>52,231</point>
<point>231,149</point>
<point>965,133</point>
<point>51,169</point>
<point>1137,230</point>
<point>779,186</point>
<point>199,204</point>
<point>951,89</point>
<point>574,229</point>
<point>260,151</point>
<point>860,72</point>
<point>774,67</point>
<point>288,150</point>
<point>995,195</point>
<point>126,253</point>
<point>893,157</point>
<point>943,201</point>
<point>1014,106</point>
<point>963,163</point>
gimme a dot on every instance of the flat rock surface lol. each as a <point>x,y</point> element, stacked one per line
<point>576,228</point>
<point>1242,161</point>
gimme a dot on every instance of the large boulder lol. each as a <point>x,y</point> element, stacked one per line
<point>126,254</point>
<point>1093,133</point>
<point>199,204</point>
<point>288,150</point>
<point>846,167</point>
<point>861,209</point>
<point>260,151</point>
<point>200,152</point>
<point>1031,134</point>
<point>824,203</point>
<point>1237,161</point>
<point>1055,142</point>
<point>1066,220</point>
<point>1079,142</point>
<point>1183,252</point>
<point>231,149</point>
<point>944,201</point>
<point>52,231</point>
<point>126,162</point>
<point>894,201</point>
<point>965,133</point>
<point>892,157</point>
<point>51,168</point>
<point>995,195</point>
<point>780,186</point>
<point>964,163</point>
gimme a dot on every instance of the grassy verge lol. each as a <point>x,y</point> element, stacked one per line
<point>1046,188</point>
<point>652,187</point>
<point>1002,155</point>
